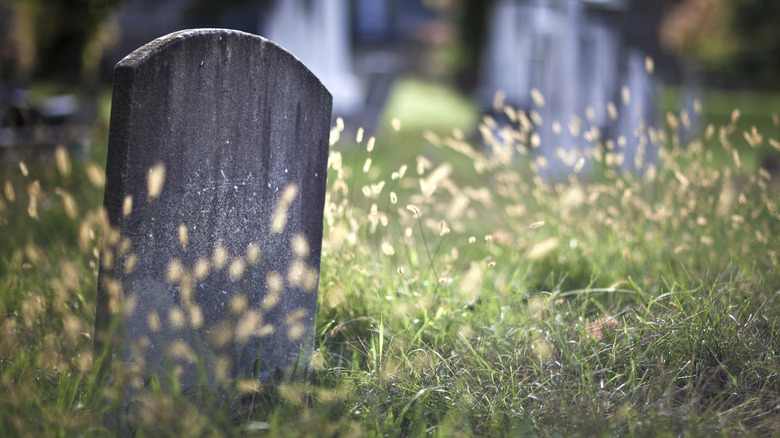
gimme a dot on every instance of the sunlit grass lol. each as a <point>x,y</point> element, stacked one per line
<point>460,294</point>
<point>422,105</point>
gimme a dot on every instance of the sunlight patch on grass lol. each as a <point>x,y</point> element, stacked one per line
<point>419,105</point>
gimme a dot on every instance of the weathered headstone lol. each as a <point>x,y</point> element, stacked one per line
<point>319,34</point>
<point>215,190</point>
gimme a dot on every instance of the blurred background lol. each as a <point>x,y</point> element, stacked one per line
<point>436,63</point>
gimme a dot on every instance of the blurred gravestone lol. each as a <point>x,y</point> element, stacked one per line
<point>215,190</point>
<point>590,84</point>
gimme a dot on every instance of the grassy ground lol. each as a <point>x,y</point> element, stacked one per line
<point>459,295</point>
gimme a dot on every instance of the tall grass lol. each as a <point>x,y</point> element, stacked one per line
<point>460,294</point>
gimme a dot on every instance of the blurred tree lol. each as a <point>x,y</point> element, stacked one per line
<point>736,42</point>
<point>756,28</point>
<point>472,19</point>
<point>62,39</point>
<point>698,28</point>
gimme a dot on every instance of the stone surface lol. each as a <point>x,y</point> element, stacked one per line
<point>216,177</point>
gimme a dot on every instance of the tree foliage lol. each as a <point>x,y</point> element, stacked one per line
<point>736,42</point>
<point>62,39</point>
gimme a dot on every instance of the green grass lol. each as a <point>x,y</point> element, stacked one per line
<point>496,304</point>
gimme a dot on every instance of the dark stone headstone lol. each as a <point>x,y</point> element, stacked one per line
<point>215,190</point>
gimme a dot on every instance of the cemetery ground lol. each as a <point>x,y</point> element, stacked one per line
<point>459,294</point>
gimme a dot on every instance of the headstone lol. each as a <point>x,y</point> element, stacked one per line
<point>560,87</point>
<point>637,115</point>
<point>319,33</point>
<point>216,177</point>
<point>573,54</point>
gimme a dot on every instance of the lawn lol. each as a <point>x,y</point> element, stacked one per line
<point>460,294</point>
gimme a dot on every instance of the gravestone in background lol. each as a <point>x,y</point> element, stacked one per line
<point>215,189</point>
<point>580,59</point>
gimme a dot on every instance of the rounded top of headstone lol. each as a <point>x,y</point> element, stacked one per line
<point>205,35</point>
